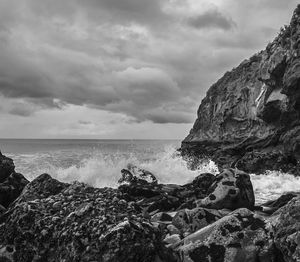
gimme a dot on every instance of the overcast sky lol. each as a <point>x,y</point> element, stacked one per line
<point>121,68</point>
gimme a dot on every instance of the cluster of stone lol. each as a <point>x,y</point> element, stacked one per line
<point>213,218</point>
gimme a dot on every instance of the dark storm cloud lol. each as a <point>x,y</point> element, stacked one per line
<point>211,19</point>
<point>114,11</point>
<point>162,117</point>
<point>21,111</point>
<point>141,58</point>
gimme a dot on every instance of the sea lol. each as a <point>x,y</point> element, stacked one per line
<point>99,163</point>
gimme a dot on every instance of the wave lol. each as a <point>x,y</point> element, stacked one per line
<point>273,184</point>
<point>104,169</point>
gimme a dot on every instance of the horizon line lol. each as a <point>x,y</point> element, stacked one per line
<point>13,138</point>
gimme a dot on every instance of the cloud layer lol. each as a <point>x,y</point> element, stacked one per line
<point>148,61</point>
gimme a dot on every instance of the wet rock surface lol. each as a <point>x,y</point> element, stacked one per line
<point>54,221</point>
<point>11,188</point>
<point>11,183</point>
<point>143,220</point>
<point>239,236</point>
<point>250,117</point>
<point>7,167</point>
<point>286,223</point>
<point>232,189</point>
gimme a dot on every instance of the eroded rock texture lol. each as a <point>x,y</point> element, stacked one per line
<point>286,223</point>
<point>143,220</point>
<point>11,183</point>
<point>54,221</point>
<point>250,118</point>
<point>239,236</point>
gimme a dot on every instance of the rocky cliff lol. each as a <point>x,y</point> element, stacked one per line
<point>250,117</point>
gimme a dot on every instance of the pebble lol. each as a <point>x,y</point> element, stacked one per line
<point>44,232</point>
<point>173,230</point>
<point>172,239</point>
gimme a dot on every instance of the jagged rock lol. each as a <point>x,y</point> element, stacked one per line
<point>239,236</point>
<point>164,197</point>
<point>41,187</point>
<point>161,217</point>
<point>134,241</point>
<point>262,160</point>
<point>53,221</point>
<point>286,224</point>
<point>251,115</point>
<point>172,239</point>
<point>11,188</point>
<point>189,221</point>
<point>232,189</point>
<point>133,174</point>
<point>198,187</point>
<point>273,205</point>
<point>7,167</point>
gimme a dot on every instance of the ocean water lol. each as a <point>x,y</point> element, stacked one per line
<point>99,162</point>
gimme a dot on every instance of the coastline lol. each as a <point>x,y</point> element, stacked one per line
<point>142,220</point>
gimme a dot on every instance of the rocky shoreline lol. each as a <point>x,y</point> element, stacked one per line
<point>213,218</point>
<point>249,120</point>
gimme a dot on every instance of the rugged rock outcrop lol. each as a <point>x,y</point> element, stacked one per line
<point>7,167</point>
<point>239,236</point>
<point>232,189</point>
<point>11,188</point>
<point>163,197</point>
<point>11,183</point>
<point>250,118</point>
<point>286,223</point>
<point>143,220</point>
<point>54,221</point>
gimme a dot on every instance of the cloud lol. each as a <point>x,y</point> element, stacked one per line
<point>84,122</point>
<point>211,19</point>
<point>21,111</point>
<point>147,62</point>
<point>160,116</point>
<point>149,13</point>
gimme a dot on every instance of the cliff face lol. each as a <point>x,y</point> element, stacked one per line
<point>250,118</point>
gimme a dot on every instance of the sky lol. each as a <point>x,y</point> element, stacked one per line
<point>122,69</point>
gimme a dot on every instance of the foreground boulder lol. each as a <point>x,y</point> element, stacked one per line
<point>134,174</point>
<point>232,189</point>
<point>250,117</point>
<point>162,197</point>
<point>7,167</point>
<point>11,188</point>
<point>42,187</point>
<point>134,241</point>
<point>11,183</point>
<point>54,221</point>
<point>286,223</point>
<point>239,236</point>
<point>188,221</point>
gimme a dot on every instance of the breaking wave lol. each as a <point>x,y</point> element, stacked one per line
<point>100,169</point>
<point>103,169</point>
<point>273,184</point>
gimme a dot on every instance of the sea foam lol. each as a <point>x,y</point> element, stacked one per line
<point>100,169</point>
